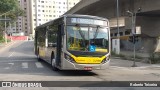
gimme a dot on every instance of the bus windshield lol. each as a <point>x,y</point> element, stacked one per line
<point>87,39</point>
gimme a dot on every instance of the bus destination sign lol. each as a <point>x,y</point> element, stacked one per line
<point>88,21</point>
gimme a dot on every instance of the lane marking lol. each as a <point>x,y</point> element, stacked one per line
<point>11,64</point>
<point>25,65</point>
<point>38,65</point>
<point>7,68</point>
<point>11,54</point>
<point>17,61</point>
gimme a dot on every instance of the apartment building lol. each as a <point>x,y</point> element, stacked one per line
<point>38,12</point>
<point>23,23</point>
<point>47,10</point>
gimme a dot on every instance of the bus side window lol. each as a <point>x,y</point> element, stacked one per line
<point>52,36</point>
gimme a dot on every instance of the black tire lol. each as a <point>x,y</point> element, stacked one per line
<point>54,68</point>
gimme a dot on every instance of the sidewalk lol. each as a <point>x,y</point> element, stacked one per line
<point>130,53</point>
<point>128,63</point>
<point>2,45</point>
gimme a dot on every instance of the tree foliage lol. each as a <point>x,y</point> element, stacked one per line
<point>7,5</point>
<point>11,9</point>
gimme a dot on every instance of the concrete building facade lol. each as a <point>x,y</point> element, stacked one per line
<point>147,19</point>
<point>22,24</point>
<point>47,10</point>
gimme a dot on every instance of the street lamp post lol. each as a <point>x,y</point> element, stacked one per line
<point>134,32</point>
<point>118,35</point>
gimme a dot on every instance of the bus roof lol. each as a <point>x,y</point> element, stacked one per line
<point>73,16</point>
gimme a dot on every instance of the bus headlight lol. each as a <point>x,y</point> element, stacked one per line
<point>69,58</point>
<point>105,60</point>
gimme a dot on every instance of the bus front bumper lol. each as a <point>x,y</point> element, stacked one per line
<point>74,66</point>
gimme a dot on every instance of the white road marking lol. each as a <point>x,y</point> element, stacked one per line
<point>11,64</point>
<point>7,68</point>
<point>25,65</point>
<point>16,61</point>
<point>39,65</point>
<point>11,54</point>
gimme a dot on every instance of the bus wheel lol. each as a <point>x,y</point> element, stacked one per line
<point>53,64</point>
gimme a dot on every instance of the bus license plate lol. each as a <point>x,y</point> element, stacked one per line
<point>87,68</point>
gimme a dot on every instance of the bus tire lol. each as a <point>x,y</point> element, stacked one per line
<point>54,68</point>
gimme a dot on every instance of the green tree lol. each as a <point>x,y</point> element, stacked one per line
<point>11,9</point>
<point>7,5</point>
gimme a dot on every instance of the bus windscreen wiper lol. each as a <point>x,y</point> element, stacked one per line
<point>96,33</point>
<point>80,32</point>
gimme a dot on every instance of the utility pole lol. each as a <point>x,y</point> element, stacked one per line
<point>134,34</point>
<point>118,35</point>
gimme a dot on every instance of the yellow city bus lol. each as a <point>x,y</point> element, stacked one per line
<point>74,42</point>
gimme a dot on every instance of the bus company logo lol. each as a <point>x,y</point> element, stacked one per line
<point>6,84</point>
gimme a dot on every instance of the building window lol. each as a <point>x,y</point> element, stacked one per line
<point>115,34</point>
<point>42,1</point>
<point>127,32</point>
<point>111,34</point>
<point>121,33</point>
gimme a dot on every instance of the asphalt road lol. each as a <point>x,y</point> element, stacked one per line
<point>18,63</point>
